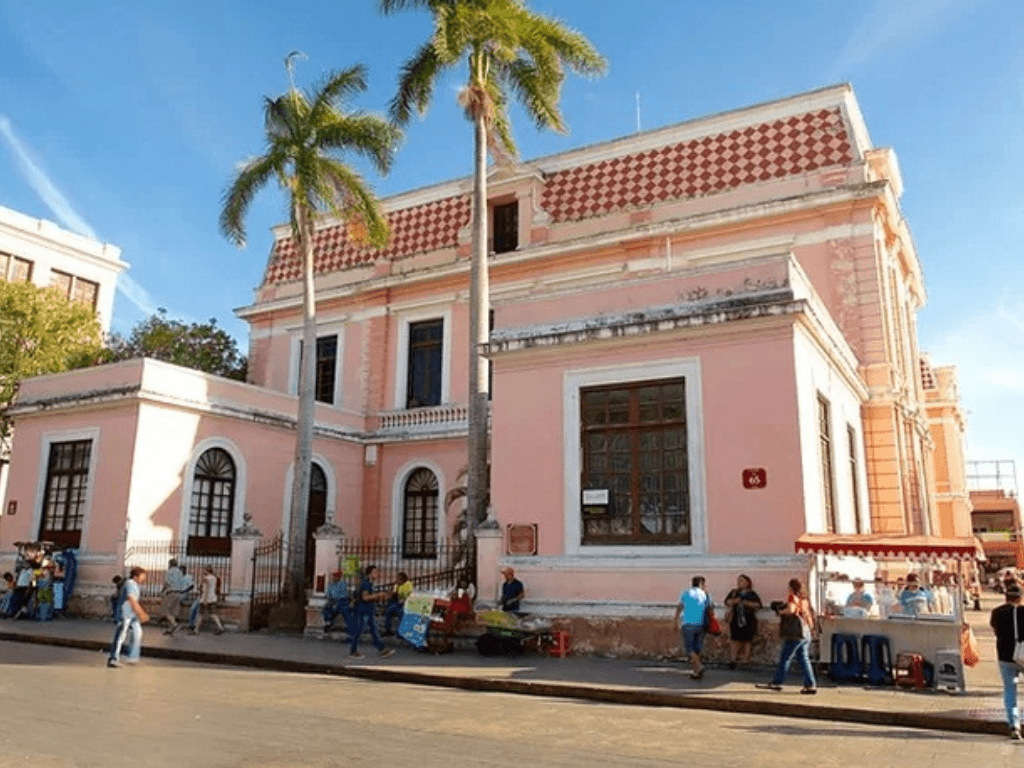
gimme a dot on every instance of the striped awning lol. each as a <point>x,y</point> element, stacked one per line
<point>899,547</point>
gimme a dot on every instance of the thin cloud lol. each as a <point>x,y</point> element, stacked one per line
<point>889,24</point>
<point>65,213</point>
<point>41,184</point>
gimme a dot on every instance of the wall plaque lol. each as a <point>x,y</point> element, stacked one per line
<point>522,539</point>
<point>756,477</point>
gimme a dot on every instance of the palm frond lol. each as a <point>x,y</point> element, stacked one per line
<point>415,84</point>
<point>239,195</point>
<point>366,135</point>
<point>335,88</point>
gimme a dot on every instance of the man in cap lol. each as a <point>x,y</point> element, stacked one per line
<point>914,598</point>
<point>338,602</point>
<point>512,591</point>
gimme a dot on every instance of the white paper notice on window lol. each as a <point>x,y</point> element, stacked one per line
<point>595,496</point>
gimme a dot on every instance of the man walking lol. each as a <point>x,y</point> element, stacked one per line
<point>1007,621</point>
<point>133,616</point>
<point>170,596</point>
<point>366,601</point>
<point>693,605</point>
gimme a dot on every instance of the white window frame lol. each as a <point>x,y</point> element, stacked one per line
<point>575,381</point>
<point>48,439</point>
<point>188,481</point>
<point>405,320</point>
<point>295,343</point>
<point>398,500</point>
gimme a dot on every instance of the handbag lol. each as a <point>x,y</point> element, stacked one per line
<point>1018,644</point>
<point>791,627</point>
<point>711,625</point>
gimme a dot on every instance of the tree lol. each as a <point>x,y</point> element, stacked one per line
<point>202,346</point>
<point>307,135</point>
<point>507,49</point>
<point>41,332</point>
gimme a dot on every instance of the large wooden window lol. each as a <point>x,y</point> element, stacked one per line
<point>15,269</point>
<point>326,368</point>
<point>75,288</point>
<point>419,516</point>
<point>825,456</point>
<point>505,226</point>
<point>635,478</point>
<point>67,483</point>
<point>426,361</point>
<point>213,504</point>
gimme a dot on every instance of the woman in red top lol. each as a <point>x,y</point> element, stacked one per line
<point>798,641</point>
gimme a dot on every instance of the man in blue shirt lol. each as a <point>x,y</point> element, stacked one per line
<point>693,605</point>
<point>512,591</point>
<point>338,603</point>
<point>133,616</point>
<point>914,598</point>
<point>366,601</point>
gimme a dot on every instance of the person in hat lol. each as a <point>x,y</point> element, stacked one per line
<point>512,591</point>
<point>338,603</point>
<point>170,596</point>
<point>914,598</point>
<point>1007,621</point>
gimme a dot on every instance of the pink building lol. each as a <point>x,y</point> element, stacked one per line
<point>704,346</point>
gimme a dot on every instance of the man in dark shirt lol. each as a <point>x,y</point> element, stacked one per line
<point>512,591</point>
<point>366,603</point>
<point>1007,635</point>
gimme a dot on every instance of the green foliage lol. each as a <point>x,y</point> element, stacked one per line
<point>41,332</point>
<point>202,346</point>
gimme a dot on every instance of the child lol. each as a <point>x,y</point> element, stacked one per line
<point>44,595</point>
<point>8,598</point>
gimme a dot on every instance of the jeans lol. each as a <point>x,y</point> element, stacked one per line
<point>693,638</point>
<point>790,649</point>
<point>364,618</point>
<point>339,608</point>
<point>1008,671</point>
<point>193,614</point>
<point>130,630</point>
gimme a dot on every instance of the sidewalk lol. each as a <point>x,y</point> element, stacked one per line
<point>622,681</point>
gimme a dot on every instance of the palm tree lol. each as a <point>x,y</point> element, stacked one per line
<point>307,136</point>
<point>507,48</point>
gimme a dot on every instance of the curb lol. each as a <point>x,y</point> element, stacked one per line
<point>618,695</point>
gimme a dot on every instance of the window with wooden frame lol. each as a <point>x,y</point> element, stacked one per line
<point>425,364</point>
<point>419,515</point>
<point>635,463</point>
<point>505,227</point>
<point>326,368</point>
<point>67,484</point>
<point>851,439</point>
<point>14,269</point>
<point>825,456</point>
<point>77,289</point>
<point>213,504</point>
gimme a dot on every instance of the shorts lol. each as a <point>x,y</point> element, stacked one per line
<point>693,638</point>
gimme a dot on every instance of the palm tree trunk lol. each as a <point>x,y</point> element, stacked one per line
<point>294,586</point>
<point>479,315</point>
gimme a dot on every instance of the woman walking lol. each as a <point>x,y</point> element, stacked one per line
<point>796,623</point>
<point>207,602</point>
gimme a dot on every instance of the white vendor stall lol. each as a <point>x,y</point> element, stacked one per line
<point>891,606</point>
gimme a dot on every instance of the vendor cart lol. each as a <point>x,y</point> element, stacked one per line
<point>505,633</point>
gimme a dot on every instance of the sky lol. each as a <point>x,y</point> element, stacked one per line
<point>125,120</point>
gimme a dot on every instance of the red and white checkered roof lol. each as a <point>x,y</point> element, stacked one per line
<point>770,150</point>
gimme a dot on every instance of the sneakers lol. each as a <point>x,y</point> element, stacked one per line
<point>356,655</point>
<point>114,665</point>
<point>697,675</point>
<point>769,686</point>
<point>387,653</point>
<point>809,691</point>
<point>1015,734</point>
<point>219,631</point>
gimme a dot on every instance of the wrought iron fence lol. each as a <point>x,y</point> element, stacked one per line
<point>155,555</point>
<point>442,571</point>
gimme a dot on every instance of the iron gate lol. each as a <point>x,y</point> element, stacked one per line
<point>267,580</point>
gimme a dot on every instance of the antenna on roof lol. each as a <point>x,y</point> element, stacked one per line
<point>638,111</point>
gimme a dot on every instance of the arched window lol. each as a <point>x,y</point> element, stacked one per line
<point>419,516</point>
<point>213,504</point>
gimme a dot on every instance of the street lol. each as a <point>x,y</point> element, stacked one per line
<point>65,708</point>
